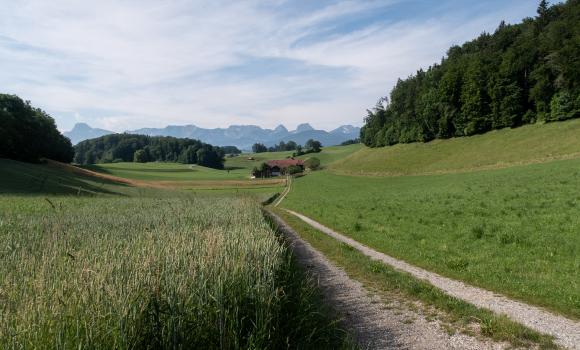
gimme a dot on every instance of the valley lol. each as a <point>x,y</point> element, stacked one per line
<point>436,205</point>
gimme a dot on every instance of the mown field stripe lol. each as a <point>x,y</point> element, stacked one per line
<point>565,331</point>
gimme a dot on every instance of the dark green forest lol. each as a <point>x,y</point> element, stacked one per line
<point>141,148</point>
<point>28,133</point>
<point>523,73</point>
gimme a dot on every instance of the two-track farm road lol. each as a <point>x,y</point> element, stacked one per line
<point>565,331</point>
<point>374,324</point>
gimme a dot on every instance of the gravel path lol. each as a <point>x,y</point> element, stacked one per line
<point>565,331</point>
<point>374,324</point>
<point>289,180</point>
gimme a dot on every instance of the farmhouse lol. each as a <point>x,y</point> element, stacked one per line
<point>279,167</point>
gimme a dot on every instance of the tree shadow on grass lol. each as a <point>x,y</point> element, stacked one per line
<point>25,178</point>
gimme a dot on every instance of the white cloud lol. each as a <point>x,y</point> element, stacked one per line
<point>129,64</point>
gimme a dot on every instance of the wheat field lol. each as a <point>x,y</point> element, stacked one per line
<point>125,273</point>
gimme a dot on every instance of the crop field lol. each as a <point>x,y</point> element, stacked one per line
<point>498,149</point>
<point>166,172</point>
<point>513,230</point>
<point>119,273</point>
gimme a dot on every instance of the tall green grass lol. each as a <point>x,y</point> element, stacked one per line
<point>125,273</point>
<point>514,231</point>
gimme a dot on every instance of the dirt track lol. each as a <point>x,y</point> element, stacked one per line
<point>565,331</point>
<point>373,324</point>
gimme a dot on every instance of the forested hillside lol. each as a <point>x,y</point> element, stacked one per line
<point>28,133</point>
<point>142,148</point>
<point>520,74</point>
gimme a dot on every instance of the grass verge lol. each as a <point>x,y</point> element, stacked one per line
<point>387,282</point>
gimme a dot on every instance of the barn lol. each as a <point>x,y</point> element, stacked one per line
<point>279,167</point>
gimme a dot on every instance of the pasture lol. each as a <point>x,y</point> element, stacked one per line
<point>514,230</point>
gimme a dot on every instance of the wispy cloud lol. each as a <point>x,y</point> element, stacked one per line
<point>128,64</point>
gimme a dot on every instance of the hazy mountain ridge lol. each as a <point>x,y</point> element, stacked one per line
<point>82,131</point>
<point>241,136</point>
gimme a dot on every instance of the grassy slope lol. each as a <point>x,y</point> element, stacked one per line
<point>528,144</point>
<point>511,230</point>
<point>25,178</point>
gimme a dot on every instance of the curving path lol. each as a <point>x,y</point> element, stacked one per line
<point>373,324</point>
<point>565,331</point>
<point>289,180</point>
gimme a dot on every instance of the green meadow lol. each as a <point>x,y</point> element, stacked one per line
<point>513,230</point>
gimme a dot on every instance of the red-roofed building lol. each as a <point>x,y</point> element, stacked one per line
<point>279,167</point>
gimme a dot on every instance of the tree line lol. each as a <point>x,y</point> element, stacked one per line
<point>280,147</point>
<point>28,133</point>
<point>142,148</point>
<point>311,146</point>
<point>520,74</point>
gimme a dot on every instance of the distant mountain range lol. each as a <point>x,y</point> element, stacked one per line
<point>241,136</point>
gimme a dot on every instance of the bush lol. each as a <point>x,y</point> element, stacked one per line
<point>312,163</point>
<point>562,106</point>
<point>294,170</point>
<point>140,156</point>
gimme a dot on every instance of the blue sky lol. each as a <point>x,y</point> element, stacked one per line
<point>126,64</point>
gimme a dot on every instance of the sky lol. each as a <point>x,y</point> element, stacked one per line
<point>126,64</point>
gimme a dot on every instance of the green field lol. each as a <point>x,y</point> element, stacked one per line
<point>514,231</point>
<point>166,172</point>
<point>234,179</point>
<point>236,168</point>
<point>90,260</point>
<point>497,149</point>
<point>93,264</point>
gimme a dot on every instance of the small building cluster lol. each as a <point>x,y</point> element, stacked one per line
<point>279,167</point>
